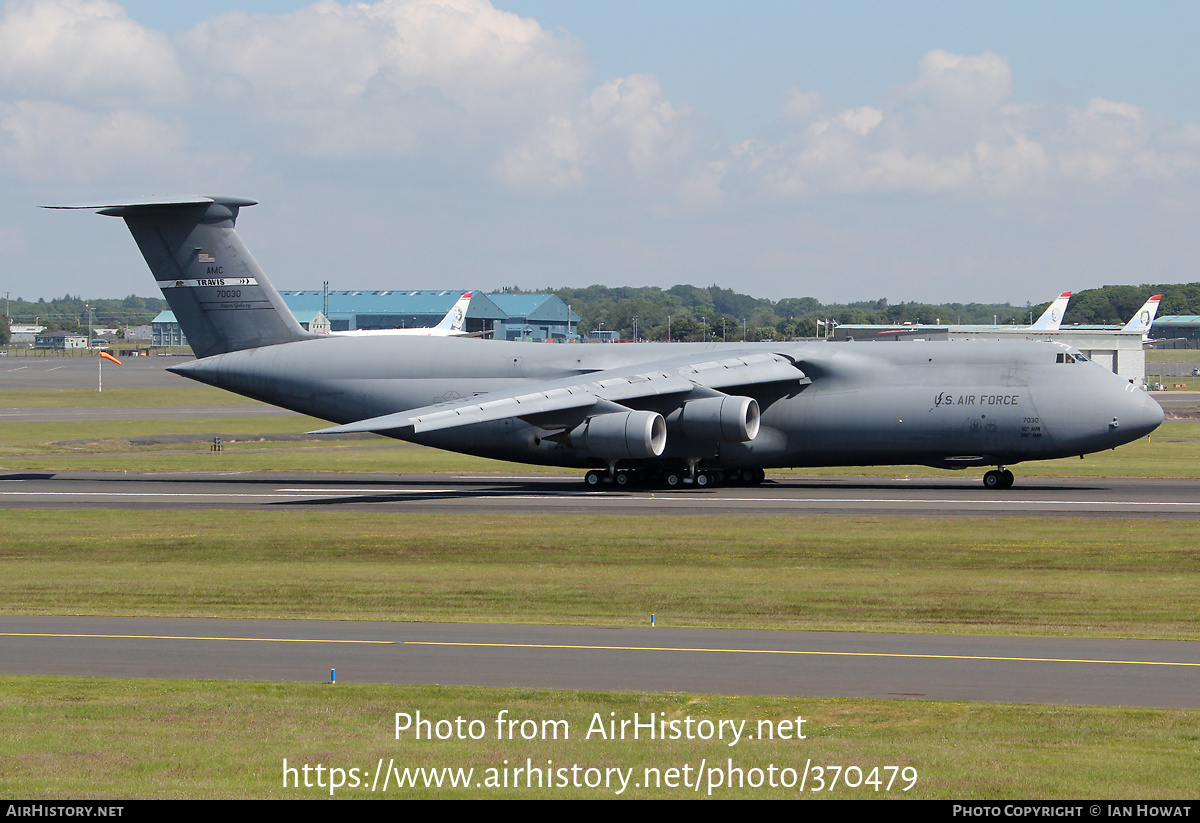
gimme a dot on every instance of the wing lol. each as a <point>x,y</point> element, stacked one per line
<point>684,380</point>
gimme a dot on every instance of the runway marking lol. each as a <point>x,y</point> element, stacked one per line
<point>802,652</point>
<point>572,647</point>
<point>604,497</point>
<point>194,637</point>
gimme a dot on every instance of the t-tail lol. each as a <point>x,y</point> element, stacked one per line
<point>219,295</point>
<point>1052,317</point>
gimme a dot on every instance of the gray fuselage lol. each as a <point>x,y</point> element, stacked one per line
<point>945,404</point>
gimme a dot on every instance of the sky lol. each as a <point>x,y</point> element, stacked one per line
<point>925,151</point>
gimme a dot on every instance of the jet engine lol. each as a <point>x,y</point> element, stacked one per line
<point>634,434</point>
<point>720,419</point>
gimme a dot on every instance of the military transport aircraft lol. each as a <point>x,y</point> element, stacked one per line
<point>664,413</point>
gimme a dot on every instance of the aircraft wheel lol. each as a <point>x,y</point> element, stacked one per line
<point>753,477</point>
<point>703,480</point>
<point>622,479</point>
<point>593,479</point>
<point>672,480</point>
<point>1008,479</point>
<point>993,480</point>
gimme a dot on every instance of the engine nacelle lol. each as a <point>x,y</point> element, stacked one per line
<point>720,419</point>
<point>635,434</point>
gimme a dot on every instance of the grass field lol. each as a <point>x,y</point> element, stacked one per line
<point>1172,356</point>
<point>186,395</point>
<point>229,740</point>
<point>78,737</point>
<point>964,575</point>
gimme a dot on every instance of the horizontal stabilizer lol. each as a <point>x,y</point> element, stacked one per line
<point>157,202</point>
<point>219,294</point>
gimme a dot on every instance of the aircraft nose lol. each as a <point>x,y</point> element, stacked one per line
<point>1139,415</point>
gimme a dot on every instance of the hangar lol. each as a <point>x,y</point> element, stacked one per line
<point>536,317</point>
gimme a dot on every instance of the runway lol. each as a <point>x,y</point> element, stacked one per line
<point>566,494</point>
<point>1041,670</point>
<point>110,413</point>
<point>45,370</point>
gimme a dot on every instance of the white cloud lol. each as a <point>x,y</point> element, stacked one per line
<point>802,105</point>
<point>957,81</point>
<point>953,130</point>
<point>390,78</point>
<point>84,50</point>
<point>458,90</point>
<point>626,128</point>
<point>49,142</point>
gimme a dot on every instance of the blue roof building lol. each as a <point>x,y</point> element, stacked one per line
<point>536,317</point>
<point>393,308</point>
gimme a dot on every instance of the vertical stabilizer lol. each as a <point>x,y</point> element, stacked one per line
<point>457,316</point>
<point>1144,319</point>
<point>1052,317</point>
<point>218,293</point>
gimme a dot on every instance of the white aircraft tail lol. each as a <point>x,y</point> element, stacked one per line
<point>1052,317</point>
<point>220,296</point>
<point>456,318</point>
<point>1144,318</point>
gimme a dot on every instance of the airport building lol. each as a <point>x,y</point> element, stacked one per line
<point>1177,331</point>
<point>1115,349</point>
<point>353,309</point>
<point>19,333</point>
<point>312,321</point>
<point>60,340</point>
<point>165,330</point>
<point>535,317</point>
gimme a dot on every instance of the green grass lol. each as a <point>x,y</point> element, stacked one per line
<point>184,395</point>
<point>94,738</point>
<point>1170,383</point>
<point>1173,356</point>
<point>1007,576</point>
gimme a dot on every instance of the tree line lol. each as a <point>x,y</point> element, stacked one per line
<point>692,313</point>
<point>685,312</point>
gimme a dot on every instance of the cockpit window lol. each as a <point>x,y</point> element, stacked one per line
<point>1068,357</point>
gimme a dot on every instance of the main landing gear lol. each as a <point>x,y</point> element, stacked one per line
<point>998,478</point>
<point>672,478</point>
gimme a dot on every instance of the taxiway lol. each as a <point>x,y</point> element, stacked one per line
<point>786,496</point>
<point>814,664</point>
